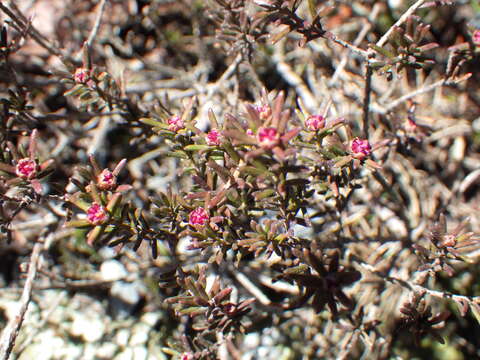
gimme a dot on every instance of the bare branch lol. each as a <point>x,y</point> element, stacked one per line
<point>98,20</point>
<point>399,22</point>
<point>30,29</point>
<point>10,333</point>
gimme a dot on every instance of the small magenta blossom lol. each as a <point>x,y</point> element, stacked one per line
<point>81,75</point>
<point>250,132</point>
<point>410,125</point>
<point>264,111</point>
<point>268,137</point>
<point>186,356</point>
<point>213,137</point>
<point>361,148</point>
<point>175,123</point>
<point>106,180</point>
<point>476,37</point>
<point>199,216</point>
<point>96,214</point>
<point>26,168</point>
<point>315,122</point>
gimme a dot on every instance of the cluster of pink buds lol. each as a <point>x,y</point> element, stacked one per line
<point>198,217</point>
<point>106,180</point>
<point>315,122</point>
<point>360,148</point>
<point>186,356</point>
<point>175,123</point>
<point>26,168</point>
<point>410,125</point>
<point>96,214</point>
<point>83,76</point>
<point>264,111</point>
<point>105,194</point>
<point>213,137</point>
<point>476,37</point>
<point>268,137</point>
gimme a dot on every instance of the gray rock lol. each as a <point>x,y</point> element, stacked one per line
<point>87,328</point>
<point>139,334</point>
<point>106,350</point>
<point>121,337</point>
<point>127,292</point>
<point>112,270</point>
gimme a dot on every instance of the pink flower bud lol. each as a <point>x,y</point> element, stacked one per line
<point>213,138</point>
<point>26,168</point>
<point>96,214</point>
<point>186,356</point>
<point>175,123</point>
<point>268,137</point>
<point>106,180</point>
<point>315,122</point>
<point>360,148</point>
<point>476,37</point>
<point>264,111</point>
<point>250,132</point>
<point>81,75</point>
<point>411,126</point>
<point>198,216</point>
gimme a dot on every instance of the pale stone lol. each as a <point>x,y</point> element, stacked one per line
<point>151,318</point>
<point>106,350</point>
<point>112,270</point>
<point>90,330</point>
<point>139,334</point>
<point>122,336</point>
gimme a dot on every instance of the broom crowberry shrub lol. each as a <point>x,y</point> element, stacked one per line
<point>328,232</point>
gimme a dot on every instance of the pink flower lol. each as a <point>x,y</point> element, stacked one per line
<point>360,148</point>
<point>96,214</point>
<point>175,123</point>
<point>186,356</point>
<point>250,132</point>
<point>81,75</point>
<point>268,137</point>
<point>411,126</point>
<point>198,216</point>
<point>264,111</point>
<point>106,180</point>
<point>213,138</point>
<point>26,168</point>
<point>476,37</point>
<point>315,122</point>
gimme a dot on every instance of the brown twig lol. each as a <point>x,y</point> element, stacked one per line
<point>393,104</point>
<point>411,285</point>
<point>399,22</point>
<point>96,26</point>
<point>353,48</point>
<point>291,77</point>
<point>10,333</point>
<point>30,29</point>
<point>366,98</point>
<point>361,36</point>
